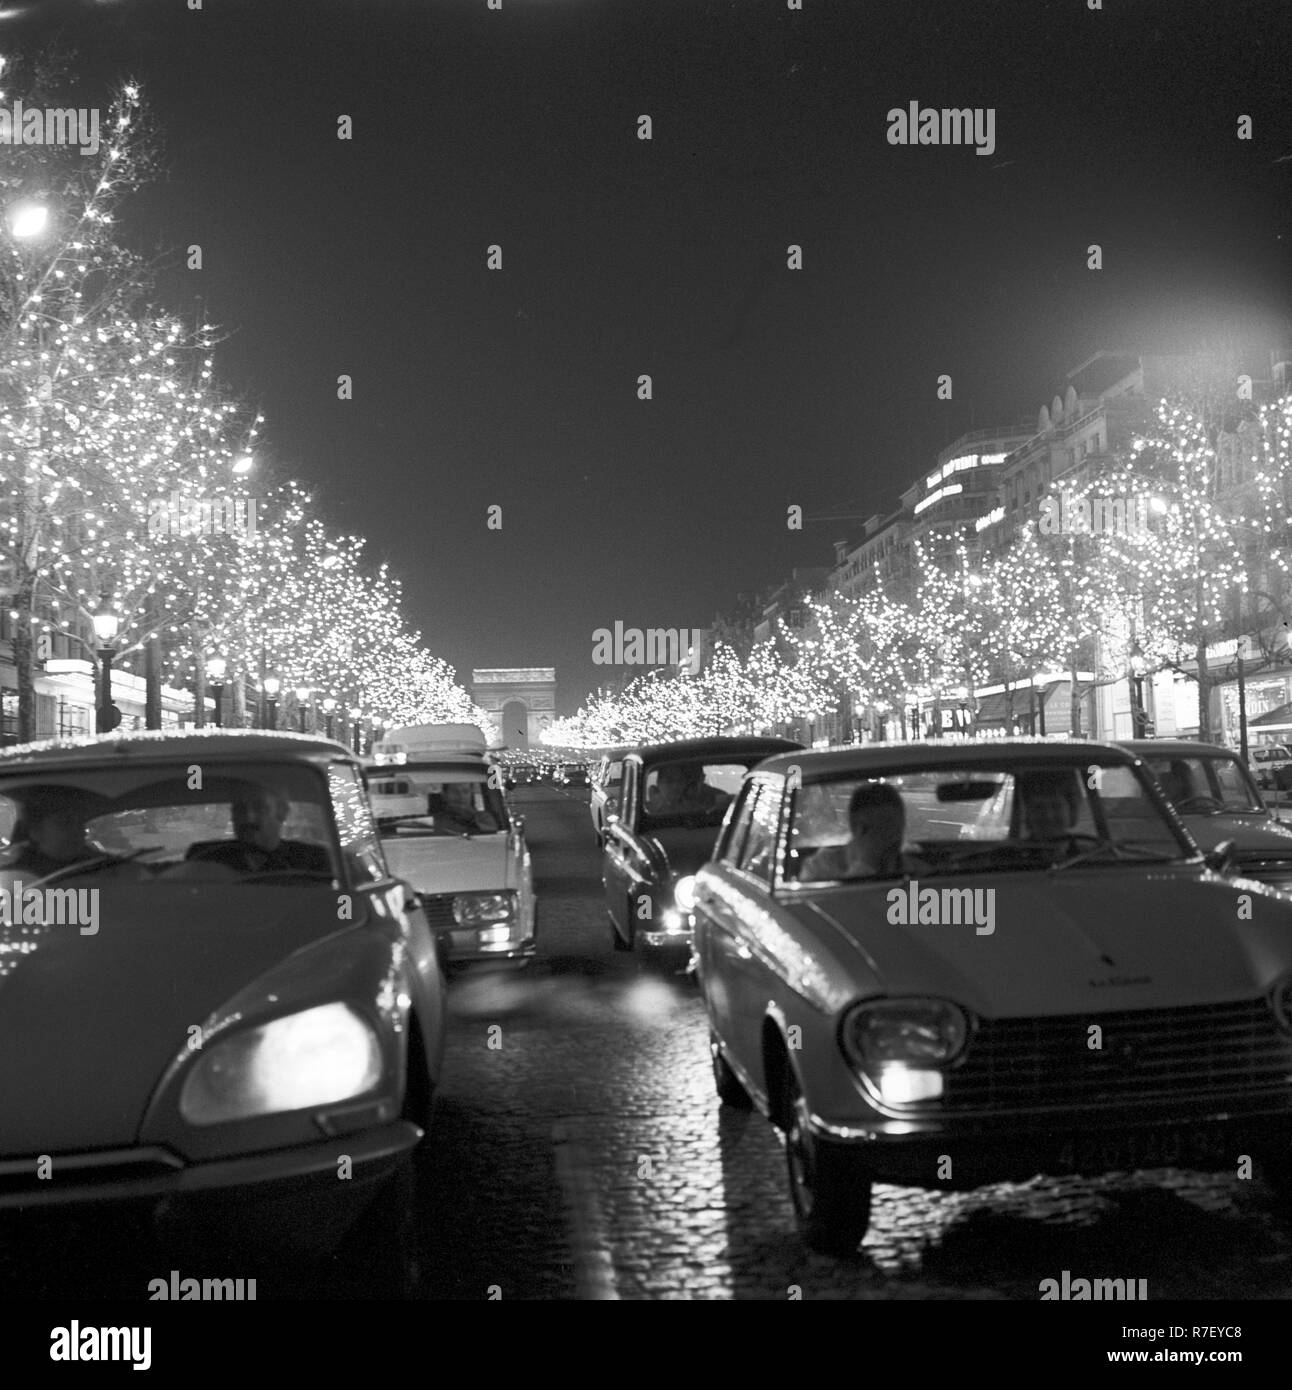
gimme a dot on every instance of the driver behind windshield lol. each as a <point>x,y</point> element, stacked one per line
<point>680,789</point>
<point>458,814</point>
<point>1050,803</point>
<point>50,832</point>
<point>258,845</point>
<point>877,820</point>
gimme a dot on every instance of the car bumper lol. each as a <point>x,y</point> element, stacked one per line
<point>462,947</point>
<point>675,929</point>
<point>299,1185</point>
<point>1014,1148</point>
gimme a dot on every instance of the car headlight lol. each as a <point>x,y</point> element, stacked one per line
<point>612,804</point>
<point>913,1032</point>
<point>482,909</point>
<point>684,892</point>
<point>316,1057</point>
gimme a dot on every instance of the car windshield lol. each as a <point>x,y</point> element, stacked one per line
<point>995,816</point>
<point>453,801</point>
<point>151,824</point>
<point>1206,785</point>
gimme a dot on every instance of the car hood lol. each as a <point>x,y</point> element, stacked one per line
<point>1073,941</point>
<point>453,863</point>
<point>89,1023</point>
<point>1267,838</point>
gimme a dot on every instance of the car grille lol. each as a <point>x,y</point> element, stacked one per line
<point>1042,1063</point>
<point>439,911</point>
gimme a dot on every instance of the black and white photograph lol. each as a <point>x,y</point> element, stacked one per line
<point>646,655</point>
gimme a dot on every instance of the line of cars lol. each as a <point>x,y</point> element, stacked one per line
<point>1001,994</point>
<point>1067,958</point>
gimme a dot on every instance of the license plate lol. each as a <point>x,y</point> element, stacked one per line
<point>1174,1146</point>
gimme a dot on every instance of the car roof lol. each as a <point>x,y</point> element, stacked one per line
<point>155,745</point>
<point>914,754</point>
<point>712,747</point>
<point>1175,748</point>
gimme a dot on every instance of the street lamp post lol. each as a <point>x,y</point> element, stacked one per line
<point>106,626</point>
<point>329,708</point>
<point>1135,679</point>
<point>302,704</point>
<point>272,685</point>
<point>356,714</point>
<point>216,668</point>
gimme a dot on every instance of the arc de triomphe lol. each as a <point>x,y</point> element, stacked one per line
<point>520,699</point>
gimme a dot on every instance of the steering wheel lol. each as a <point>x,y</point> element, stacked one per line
<point>1199,803</point>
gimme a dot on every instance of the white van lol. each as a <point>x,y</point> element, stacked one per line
<point>458,841</point>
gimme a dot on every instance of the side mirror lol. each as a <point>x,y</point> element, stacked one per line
<point>1221,859</point>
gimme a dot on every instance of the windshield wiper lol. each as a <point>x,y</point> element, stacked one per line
<point>1121,852</point>
<point>98,862</point>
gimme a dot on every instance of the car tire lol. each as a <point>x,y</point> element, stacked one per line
<point>829,1191</point>
<point>725,1081</point>
<point>616,940</point>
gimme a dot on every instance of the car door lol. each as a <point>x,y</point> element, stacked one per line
<point>734,973</point>
<point>619,854</point>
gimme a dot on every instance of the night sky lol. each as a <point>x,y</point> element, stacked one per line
<point>518,387</point>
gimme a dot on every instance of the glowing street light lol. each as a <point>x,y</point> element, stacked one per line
<point>106,626</point>
<point>272,685</point>
<point>28,219</point>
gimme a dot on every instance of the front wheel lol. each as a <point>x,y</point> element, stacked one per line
<point>829,1190</point>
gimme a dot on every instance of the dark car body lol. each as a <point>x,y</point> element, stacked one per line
<point>221,1041</point>
<point>645,854</point>
<point>1218,800</point>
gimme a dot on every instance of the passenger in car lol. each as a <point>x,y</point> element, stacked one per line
<point>1050,802</point>
<point>50,832</point>
<point>258,845</point>
<point>456,811</point>
<point>680,789</point>
<point>877,822</point>
<point>1176,782</point>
